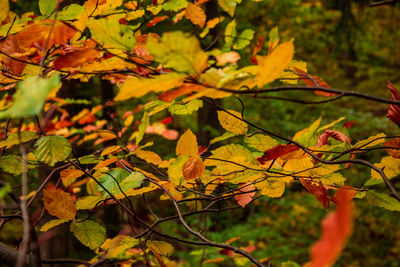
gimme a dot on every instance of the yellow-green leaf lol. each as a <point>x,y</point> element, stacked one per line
<point>228,5</point>
<point>88,202</point>
<point>161,247</point>
<point>271,66</point>
<point>391,168</point>
<point>271,187</point>
<point>175,170</point>
<point>137,87</point>
<point>260,142</point>
<point>89,233</point>
<point>232,124</point>
<point>371,141</point>
<point>52,223</point>
<point>179,51</point>
<point>52,149</point>
<point>15,139</point>
<point>187,144</point>
<point>118,245</point>
<point>4,9</point>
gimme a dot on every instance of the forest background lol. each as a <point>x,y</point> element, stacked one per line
<point>351,45</point>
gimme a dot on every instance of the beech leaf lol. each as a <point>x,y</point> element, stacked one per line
<point>187,144</point>
<point>193,168</point>
<point>245,194</point>
<point>89,233</point>
<point>52,148</point>
<point>394,110</point>
<point>59,203</point>
<point>232,124</point>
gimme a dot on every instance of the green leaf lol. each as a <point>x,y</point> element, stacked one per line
<point>52,149</point>
<point>15,139</point>
<point>110,181</point>
<point>13,165</point>
<point>111,34</point>
<point>260,142</point>
<point>5,188</point>
<point>244,39</point>
<point>161,247</point>
<point>46,7</point>
<point>134,179</point>
<point>89,233</point>
<point>174,5</point>
<point>89,159</point>
<point>70,12</point>
<point>52,223</point>
<point>223,137</point>
<point>142,128</point>
<point>383,200</point>
<point>30,97</point>
<point>185,109</point>
<point>88,202</point>
<point>228,5</point>
<point>179,51</point>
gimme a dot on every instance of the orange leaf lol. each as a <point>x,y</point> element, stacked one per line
<point>193,168</point>
<point>313,81</point>
<point>76,58</point>
<point>395,143</point>
<point>196,15</point>
<point>247,192</point>
<point>336,228</point>
<point>36,34</point>
<point>105,163</point>
<point>59,203</point>
<point>68,176</point>
<point>323,138</point>
<point>184,89</point>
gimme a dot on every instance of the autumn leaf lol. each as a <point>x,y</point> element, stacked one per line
<point>231,123</point>
<point>323,138</point>
<point>69,175</point>
<point>76,58</point>
<point>195,14</point>
<point>10,46</point>
<point>193,168</point>
<point>187,144</point>
<point>394,110</point>
<point>276,152</point>
<point>271,66</point>
<point>245,194</point>
<point>313,81</point>
<point>319,191</point>
<point>393,147</point>
<point>59,203</point>
<point>336,228</point>
<point>89,233</point>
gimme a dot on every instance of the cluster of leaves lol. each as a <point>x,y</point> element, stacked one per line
<point>174,74</point>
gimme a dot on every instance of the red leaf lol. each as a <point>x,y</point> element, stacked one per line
<point>395,150</point>
<point>348,124</point>
<point>336,228</point>
<point>155,21</point>
<point>9,47</point>
<point>394,110</point>
<point>276,152</point>
<point>227,252</point>
<point>319,191</point>
<point>323,138</point>
<point>245,194</point>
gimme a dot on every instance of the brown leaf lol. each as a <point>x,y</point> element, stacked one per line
<point>323,138</point>
<point>10,46</point>
<point>195,14</point>
<point>319,191</point>
<point>245,194</point>
<point>59,203</point>
<point>394,110</point>
<point>193,168</point>
<point>336,228</point>
<point>76,58</point>
<point>394,143</point>
<point>276,152</point>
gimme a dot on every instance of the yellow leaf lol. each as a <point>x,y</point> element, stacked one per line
<point>272,187</point>
<point>391,168</point>
<point>118,245</point>
<point>371,141</point>
<point>59,203</point>
<point>187,144</point>
<point>232,124</point>
<point>149,156</point>
<point>195,14</point>
<point>175,168</point>
<point>271,66</point>
<point>52,223</point>
<point>109,150</point>
<point>137,87</point>
<point>261,142</point>
<point>4,8</point>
